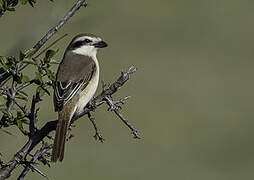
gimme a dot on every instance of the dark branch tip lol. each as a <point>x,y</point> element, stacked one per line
<point>136,135</point>
<point>131,70</point>
<point>85,4</point>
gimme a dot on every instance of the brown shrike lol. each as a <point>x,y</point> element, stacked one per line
<point>76,82</point>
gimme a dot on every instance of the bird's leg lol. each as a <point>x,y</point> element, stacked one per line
<point>97,135</point>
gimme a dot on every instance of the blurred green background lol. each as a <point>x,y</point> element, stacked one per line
<point>192,96</point>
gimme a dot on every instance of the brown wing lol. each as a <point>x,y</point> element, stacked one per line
<point>74,73</point>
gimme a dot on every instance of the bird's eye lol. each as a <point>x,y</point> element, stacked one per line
<point>87,40</point>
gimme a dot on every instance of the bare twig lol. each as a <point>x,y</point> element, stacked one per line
<point>32,115</point>
<point>121,101</point>
<point>113,107</point>
<point>25,85</point>
<point>39,172</point>
<point>52,44</point>
<point>23,109</point>
<point>12,91</point>
<point>44,149</point>
<point>97,135</point>
<point>7,132</point>
<point>53,30</point>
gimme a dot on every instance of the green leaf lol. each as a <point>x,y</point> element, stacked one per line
<point>24,78</point>
<point>48,71</point>
<point>28,51</point>
<point>39,77</point>
<point>2,103</point>
<point>20,115</point>
<point>23,1</point>
<point>6,118</point>
<point>21,97</point>
<point>11,60</point>
<point>19,119</point>
<point>19,123</point>
<point>41,91</point>
<point>4,61</point>
<point>46,87</point>
<point>22,92</point>
<point>18,78</point>
<point>1,5</point>
<point>49,54</point>
<point>29,61</point>
<point>4,96</point>
<point>21,55</point>
<point>2,70</point>
<point>8,115</point>
<point>50,74</point>
<point>21,78</point>
<point>54,62</point>
<point>8,102</point>
<point>10,8</point>
<point>7,62</point>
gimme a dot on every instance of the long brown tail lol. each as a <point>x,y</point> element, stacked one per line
<point>60,137</point>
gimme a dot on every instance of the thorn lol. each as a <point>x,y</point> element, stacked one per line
<point>85,4</point>
<point>99,103</point>
<point>99,137</point>
<point>70,137</point>
<point>131,70</point>
<point>104,85</point>
<point>136,135</point>
<point>39,172</point>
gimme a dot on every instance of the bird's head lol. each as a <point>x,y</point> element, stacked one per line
<point>86,44</point>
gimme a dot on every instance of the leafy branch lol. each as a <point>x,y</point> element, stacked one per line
<point>9,5</point>
<point>20,109</point>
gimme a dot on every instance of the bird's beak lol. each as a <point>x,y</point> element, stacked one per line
<point>100,44</point>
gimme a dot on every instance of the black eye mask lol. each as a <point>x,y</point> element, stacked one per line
<point>80,43</point>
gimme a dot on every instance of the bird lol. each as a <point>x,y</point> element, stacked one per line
<point>76,82</point>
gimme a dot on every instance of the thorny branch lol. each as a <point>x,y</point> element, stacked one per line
<point>38,136</point>
<point>113,107</point>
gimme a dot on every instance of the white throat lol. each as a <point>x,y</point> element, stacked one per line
<point>86,51</point>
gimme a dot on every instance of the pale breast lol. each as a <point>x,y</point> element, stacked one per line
<point>86,95</point>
